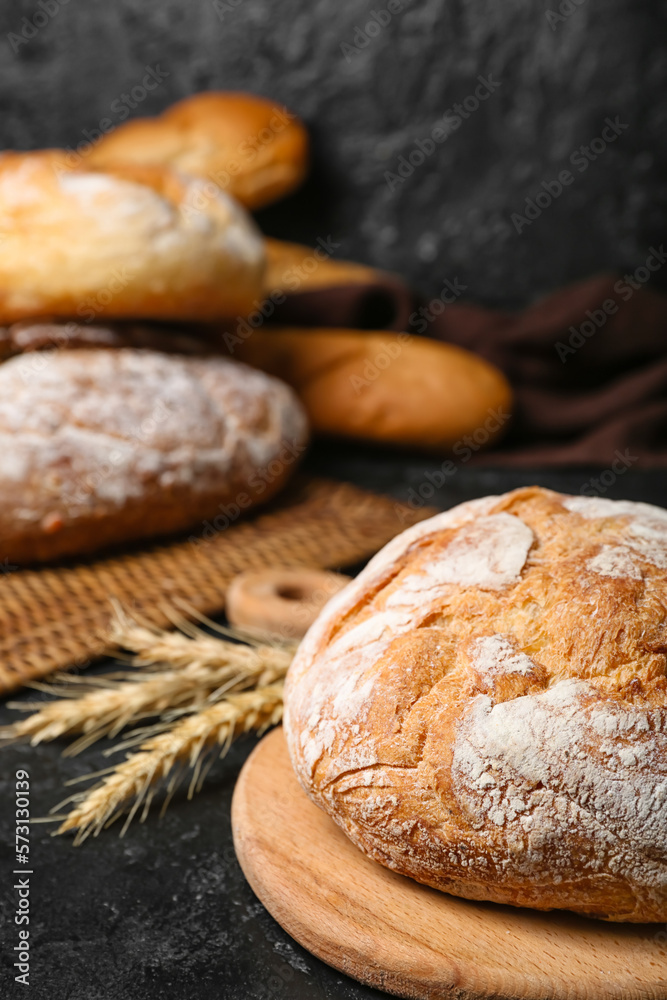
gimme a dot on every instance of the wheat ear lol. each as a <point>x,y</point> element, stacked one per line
<point>201,670</point>
<point>155,646</point>
<point>186,743</point>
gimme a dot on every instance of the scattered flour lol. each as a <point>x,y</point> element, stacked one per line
<point>615,560</point>
<point>568,762</point>
<point>497,654</point>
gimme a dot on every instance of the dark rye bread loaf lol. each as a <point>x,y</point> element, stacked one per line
<point>99,447</point>
<point>485,707</point>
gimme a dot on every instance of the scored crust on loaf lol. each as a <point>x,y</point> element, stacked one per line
<point>104,446</point>
<point>139,242</point>
<point>485,707</point>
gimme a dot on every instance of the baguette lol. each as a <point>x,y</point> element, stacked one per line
<point>292,267</point>
<point>385,387</point>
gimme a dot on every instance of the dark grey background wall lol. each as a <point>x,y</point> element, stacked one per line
<point>369,93</point>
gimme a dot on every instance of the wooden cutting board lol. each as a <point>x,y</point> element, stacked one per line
<point>390,932</point>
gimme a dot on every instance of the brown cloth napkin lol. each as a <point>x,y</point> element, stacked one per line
<point>588,363</point>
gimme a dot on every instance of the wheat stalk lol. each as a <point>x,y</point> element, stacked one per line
<point>152,645</point>
<point>222,687</point>
<point>202,669</point>
<point>185,743</point>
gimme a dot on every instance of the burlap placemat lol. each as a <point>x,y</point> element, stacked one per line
<point>56,617</point>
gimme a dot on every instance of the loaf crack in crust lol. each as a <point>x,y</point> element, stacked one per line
<point>485,707</point>
<point>103,446</point>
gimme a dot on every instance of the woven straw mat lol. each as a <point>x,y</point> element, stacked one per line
<point>56,617</point>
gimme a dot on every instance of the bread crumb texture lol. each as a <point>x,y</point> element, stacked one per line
<point>484,708</point>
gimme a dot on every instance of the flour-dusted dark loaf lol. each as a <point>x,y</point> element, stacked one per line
<point>485,709</point>
<point>102,446</point>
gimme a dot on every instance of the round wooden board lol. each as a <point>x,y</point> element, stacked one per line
<point>390,932</point>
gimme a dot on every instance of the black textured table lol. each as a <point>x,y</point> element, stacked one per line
<point>166,912</point>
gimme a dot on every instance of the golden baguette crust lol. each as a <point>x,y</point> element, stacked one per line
<point>253,148</point>
<point>103,446</point>
<point>293,267</point>
<point>143,242</point>
<point>485,707</point>
<point>386,387</point>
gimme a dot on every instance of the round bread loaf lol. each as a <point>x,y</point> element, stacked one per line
<point>141,242</point>
<point>249,146</point>
<point>100,447</point>
<point>485,707</point>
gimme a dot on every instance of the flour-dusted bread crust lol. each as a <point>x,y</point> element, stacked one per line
<point>485,708</point>
<point>98,447</point>
<point>141,242</point>
<point>251,147</point>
